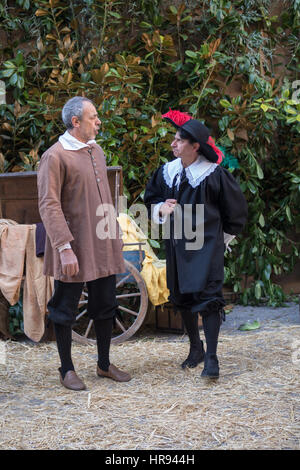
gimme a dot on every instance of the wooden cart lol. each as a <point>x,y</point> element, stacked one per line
<point>19,202</point>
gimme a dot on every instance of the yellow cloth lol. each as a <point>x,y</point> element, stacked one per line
<point>17,249</point>
<point>154,269</point>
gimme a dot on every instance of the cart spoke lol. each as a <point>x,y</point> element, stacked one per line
<point>128,310</point>
<point>81,314</point>
<point>122,296</point>
<point>88,328</point>
<point>120,325</point>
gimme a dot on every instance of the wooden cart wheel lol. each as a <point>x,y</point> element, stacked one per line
<point>132,298</point>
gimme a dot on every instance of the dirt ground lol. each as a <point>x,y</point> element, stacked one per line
<point>253,405</point>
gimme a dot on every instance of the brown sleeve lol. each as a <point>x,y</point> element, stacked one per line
<point>50,180</point>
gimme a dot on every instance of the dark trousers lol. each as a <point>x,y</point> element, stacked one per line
<point>209,303</point>
<point>101,308</point>
<point>102,303</point>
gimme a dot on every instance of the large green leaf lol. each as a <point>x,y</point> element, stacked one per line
<point>249,326</point>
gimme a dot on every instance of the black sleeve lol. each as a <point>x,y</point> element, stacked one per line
<point>232,203</point>
<point>154,192</point>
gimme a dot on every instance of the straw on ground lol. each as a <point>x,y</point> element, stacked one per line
<point>254,404</point>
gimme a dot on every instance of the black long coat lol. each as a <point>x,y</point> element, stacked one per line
<point>225,210</point>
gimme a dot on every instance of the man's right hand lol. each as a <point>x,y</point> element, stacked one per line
<point>167,207</point>
<point>69,263</point>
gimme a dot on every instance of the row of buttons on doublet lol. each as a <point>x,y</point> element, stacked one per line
<point>94,165</point>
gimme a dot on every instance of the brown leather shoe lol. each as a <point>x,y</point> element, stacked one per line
<point>114,373</point>
<point>72,381</point>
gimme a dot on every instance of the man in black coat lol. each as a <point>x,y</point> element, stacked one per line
<point>205,207</point>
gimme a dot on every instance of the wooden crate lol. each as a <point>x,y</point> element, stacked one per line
<point>168,321</point>
<point>19,195</point>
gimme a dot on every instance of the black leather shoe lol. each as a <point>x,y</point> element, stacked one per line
<point>196,355</point>
<point>211,366</point>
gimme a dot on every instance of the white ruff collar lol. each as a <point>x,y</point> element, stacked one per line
<point>196,172</point>
<point>71,143</point>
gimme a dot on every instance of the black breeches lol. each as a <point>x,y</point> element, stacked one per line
<point>102,303</point>
<point>203,302</point>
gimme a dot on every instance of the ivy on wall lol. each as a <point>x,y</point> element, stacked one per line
<point>234,65</point>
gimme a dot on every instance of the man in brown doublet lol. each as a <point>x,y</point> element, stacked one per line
<point>73,186</point>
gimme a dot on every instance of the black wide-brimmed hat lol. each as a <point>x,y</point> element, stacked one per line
<point>198,131</point>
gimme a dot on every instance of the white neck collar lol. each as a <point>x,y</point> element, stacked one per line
<point>195,173</point>
<point>71,143</point>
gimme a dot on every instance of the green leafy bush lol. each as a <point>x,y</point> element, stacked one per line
<point>16,322</point>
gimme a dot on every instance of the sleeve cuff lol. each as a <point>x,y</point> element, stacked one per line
<point>157,218</point>
<point>228,239</point>
<point>66,246</point>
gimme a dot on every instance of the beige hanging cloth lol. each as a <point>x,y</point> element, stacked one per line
<point>17,251</point>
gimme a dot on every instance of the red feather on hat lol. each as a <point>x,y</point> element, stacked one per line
<point>177,117</point>
<point>220,154</point>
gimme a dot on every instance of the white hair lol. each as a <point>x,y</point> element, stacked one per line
<point>73,107</point>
